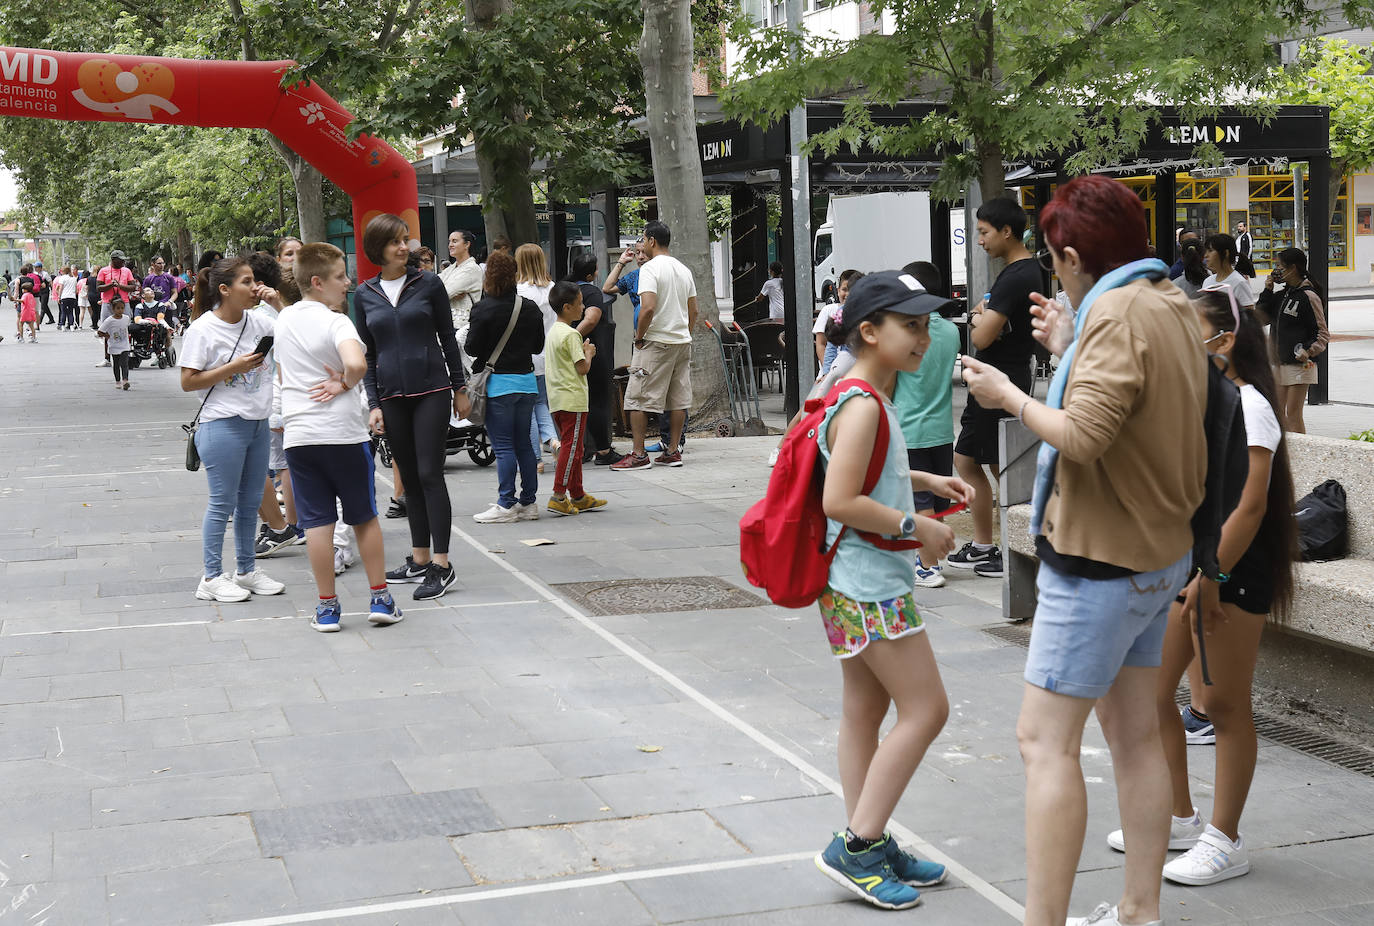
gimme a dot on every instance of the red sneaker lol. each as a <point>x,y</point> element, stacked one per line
<point>669,459</point>
<point>633,461</point>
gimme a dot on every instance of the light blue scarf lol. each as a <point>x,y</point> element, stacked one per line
<point>1045,463</point>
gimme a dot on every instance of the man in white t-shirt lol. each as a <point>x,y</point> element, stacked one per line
<point>661,365</point>
<point>328,448</point>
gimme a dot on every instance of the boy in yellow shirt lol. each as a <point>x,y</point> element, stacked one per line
<point>566,360</point>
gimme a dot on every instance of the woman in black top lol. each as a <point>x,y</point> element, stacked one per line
<point>1298,332</point>
<point>511,390</point>
<point>414,381</point>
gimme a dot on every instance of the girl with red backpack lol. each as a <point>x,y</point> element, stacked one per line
<point>871,619</point>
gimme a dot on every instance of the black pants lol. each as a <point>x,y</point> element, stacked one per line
<point>601,389</point>
<point>119,363</point>
<point>416,429</point>
<point>46,313</point>
<point>66,313</point>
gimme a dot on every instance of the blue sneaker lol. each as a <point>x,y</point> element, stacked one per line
<point>1197,731</point>
<point>868,874</point>
<point>655,447</point>
<point>300,535</point>
<point>912,870</point>
<point>384,610</point>
<point>328,617</point>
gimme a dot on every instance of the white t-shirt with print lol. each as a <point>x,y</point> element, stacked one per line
<point>209,343</point>
<point>309,338</point>
<point>118,330</point>
<point>671,282</point>
<point>1240,287</point>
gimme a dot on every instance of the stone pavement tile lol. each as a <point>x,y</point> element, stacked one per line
<point>193,894</point>
<point>704,786</point>
<point>80,900</point>
<point>24,859</point>
<point>42,814</point>
<point>253,724</point>
<point>529,854</point>
<point>48,664</point>
<point>167,798</point>
<point>423,916</point>
<point>1093,886</point>
<point>756,682</point>
<point>331,748</point>
<point>780,826</point>
<point>412,658</point>
<point>942,906</point>
<point>663,839</point>
<point>541,803</point>
<point>325,783</point>
<point>372,872</point>
<point>297,639</point>
<point>734,891</point>
<point>613,755</point>
<point>1358,915</point>
<point>376,714</point>
<point>476,768</point>
<point>598,905</point>
<point>1334,809</point>
<point>468,733</point>
<point>361,684</point>
<point>25,741</point>
<point>33,777</point>
<point>103,739</point>
<point>153,846</point>
<point>273,695</point>
<point>372,820</point>
<point>115,682</point>
<point>557,726</point>
<point>175,702</point>
<point>188,655</point>
<point>196,759</point>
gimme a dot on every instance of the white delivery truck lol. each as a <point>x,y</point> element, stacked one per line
<point>879,231</point>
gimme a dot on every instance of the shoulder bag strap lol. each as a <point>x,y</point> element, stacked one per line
<point>196,420</point>
<point>505,336</point>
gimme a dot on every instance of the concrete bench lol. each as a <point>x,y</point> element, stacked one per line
<point>1334,602</point>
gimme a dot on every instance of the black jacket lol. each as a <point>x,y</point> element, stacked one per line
<point>488,322</point>
<point>411,346</point>
<point>1293,321</point>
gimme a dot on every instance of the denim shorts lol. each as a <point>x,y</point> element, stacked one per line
<point>1086,630</point>
<point>321,473</point>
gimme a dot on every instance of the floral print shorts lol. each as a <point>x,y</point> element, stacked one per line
<point>851,624</point>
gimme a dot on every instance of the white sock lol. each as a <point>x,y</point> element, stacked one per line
<point>983,547</point>
<point>1192,819</point>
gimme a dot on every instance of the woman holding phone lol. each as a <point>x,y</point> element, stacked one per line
<point>225,359</point>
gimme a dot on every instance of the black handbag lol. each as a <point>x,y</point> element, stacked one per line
<point>192,454</point>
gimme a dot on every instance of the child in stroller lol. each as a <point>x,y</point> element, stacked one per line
<point>150,335</point>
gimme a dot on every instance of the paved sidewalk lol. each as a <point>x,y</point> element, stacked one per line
<point>502,756</point>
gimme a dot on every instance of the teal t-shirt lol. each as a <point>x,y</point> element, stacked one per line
<point>925,399</point>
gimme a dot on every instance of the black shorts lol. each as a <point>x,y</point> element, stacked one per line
<point>1250,585</point>
<point>938,460</point>
<point>978,425</point>
<point>321,473</point>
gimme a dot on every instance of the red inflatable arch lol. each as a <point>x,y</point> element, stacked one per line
<point>70,86</point>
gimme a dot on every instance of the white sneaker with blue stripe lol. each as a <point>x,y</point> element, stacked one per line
<point>1214,858</point>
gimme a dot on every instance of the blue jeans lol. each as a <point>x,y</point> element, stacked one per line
<point>830,351</point>
<point>509,419</point>
<point>542,427</point>
<point>233,452</point>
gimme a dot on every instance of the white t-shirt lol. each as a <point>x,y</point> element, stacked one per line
<point>772,288</point>
<point>539,295</point>
<point>64,287</point>
<point>118,330</point>
<point>669,279</point>
<point>393,288</point>
<point>1261,424</point>
<point>209,343</point>
<point>1240,288</point>
<point>309,337</point>
<point>827,313</point>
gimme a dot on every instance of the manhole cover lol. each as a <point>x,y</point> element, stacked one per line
<point>657,596</point>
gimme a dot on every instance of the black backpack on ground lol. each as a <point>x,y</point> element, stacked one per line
<point>1323,531</point>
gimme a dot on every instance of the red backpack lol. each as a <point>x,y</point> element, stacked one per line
<point>782,538</point>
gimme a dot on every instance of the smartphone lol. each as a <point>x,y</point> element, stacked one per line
<point>264,345</point>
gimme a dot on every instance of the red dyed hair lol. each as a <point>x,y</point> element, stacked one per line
<point>1101,219</point>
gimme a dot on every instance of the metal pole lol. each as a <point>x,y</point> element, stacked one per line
<point>801,311</point>
<point>1318,258</point>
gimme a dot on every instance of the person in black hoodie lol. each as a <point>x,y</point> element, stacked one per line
<point>414,382</point>
<point>511,389</point>
<point>1298,332</point>
<point>597,326</point>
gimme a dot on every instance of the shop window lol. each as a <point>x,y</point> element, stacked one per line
<point>1273,224</point>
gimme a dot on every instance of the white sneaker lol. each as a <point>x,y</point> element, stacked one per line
<point>343,558</point>
<point>1104,915</point>
<point>773,458</point>
<point>929,576</point>
<point>103,363</point>
<point>528,512</point>
<point>221,588</point>
<point>1214,858</point>
<point>258,583</point>
<point>496,515</point>
<point>1183,834</point>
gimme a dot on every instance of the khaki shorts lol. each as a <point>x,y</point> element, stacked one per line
<point>660,378</point>
<point>1296,374</point>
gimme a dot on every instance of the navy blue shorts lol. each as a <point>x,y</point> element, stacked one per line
<point>938,461</point>
<point>321,473</point>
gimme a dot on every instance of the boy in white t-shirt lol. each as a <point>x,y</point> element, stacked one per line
<point>328,448</point>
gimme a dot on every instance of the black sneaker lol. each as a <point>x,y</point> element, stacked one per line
<point>968,556</point>
<point>609,458</point>
<point>410,572</point>
<point>398,508</point>
<point>270,541</point>
<point>990,568</point>
<point>437,580</point>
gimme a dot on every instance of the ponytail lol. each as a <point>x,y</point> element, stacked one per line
<point>210,279</point>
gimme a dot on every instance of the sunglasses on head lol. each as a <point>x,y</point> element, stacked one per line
<point>1230,295</point>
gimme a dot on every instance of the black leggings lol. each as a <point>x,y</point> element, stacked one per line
<point>600,395</point>
<point>120,365</point>
<point>417,429</point>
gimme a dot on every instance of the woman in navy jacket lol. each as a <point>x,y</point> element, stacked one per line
<point>414,380</point>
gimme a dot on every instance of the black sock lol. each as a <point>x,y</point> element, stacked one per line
<point>857,844</point>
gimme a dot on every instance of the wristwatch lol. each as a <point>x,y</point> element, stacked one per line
<point>908,525</point>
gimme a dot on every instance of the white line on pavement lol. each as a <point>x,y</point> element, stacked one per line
<point>108,474</point>
<point>524,890</point>
<point>113,425</point>
<point>983,888</point>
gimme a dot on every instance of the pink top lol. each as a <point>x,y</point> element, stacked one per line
<point>111,275</point>
<point>29,310</point>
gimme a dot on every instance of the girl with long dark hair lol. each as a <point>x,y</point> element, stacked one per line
<point>1256,557</point>
<point>1220,256</point>
<point>1298,333</point>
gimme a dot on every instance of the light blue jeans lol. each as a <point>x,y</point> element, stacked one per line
<point>508,426</point>
<point>542,427</point>
<point>831,350</point>
<point>233,453</point>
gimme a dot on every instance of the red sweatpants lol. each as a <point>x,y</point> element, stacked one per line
<point>572,429</point>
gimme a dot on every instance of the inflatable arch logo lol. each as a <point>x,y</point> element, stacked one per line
<point>227,94</point>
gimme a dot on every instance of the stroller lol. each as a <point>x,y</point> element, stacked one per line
<point>463,435</point>
<point>147,342</point>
